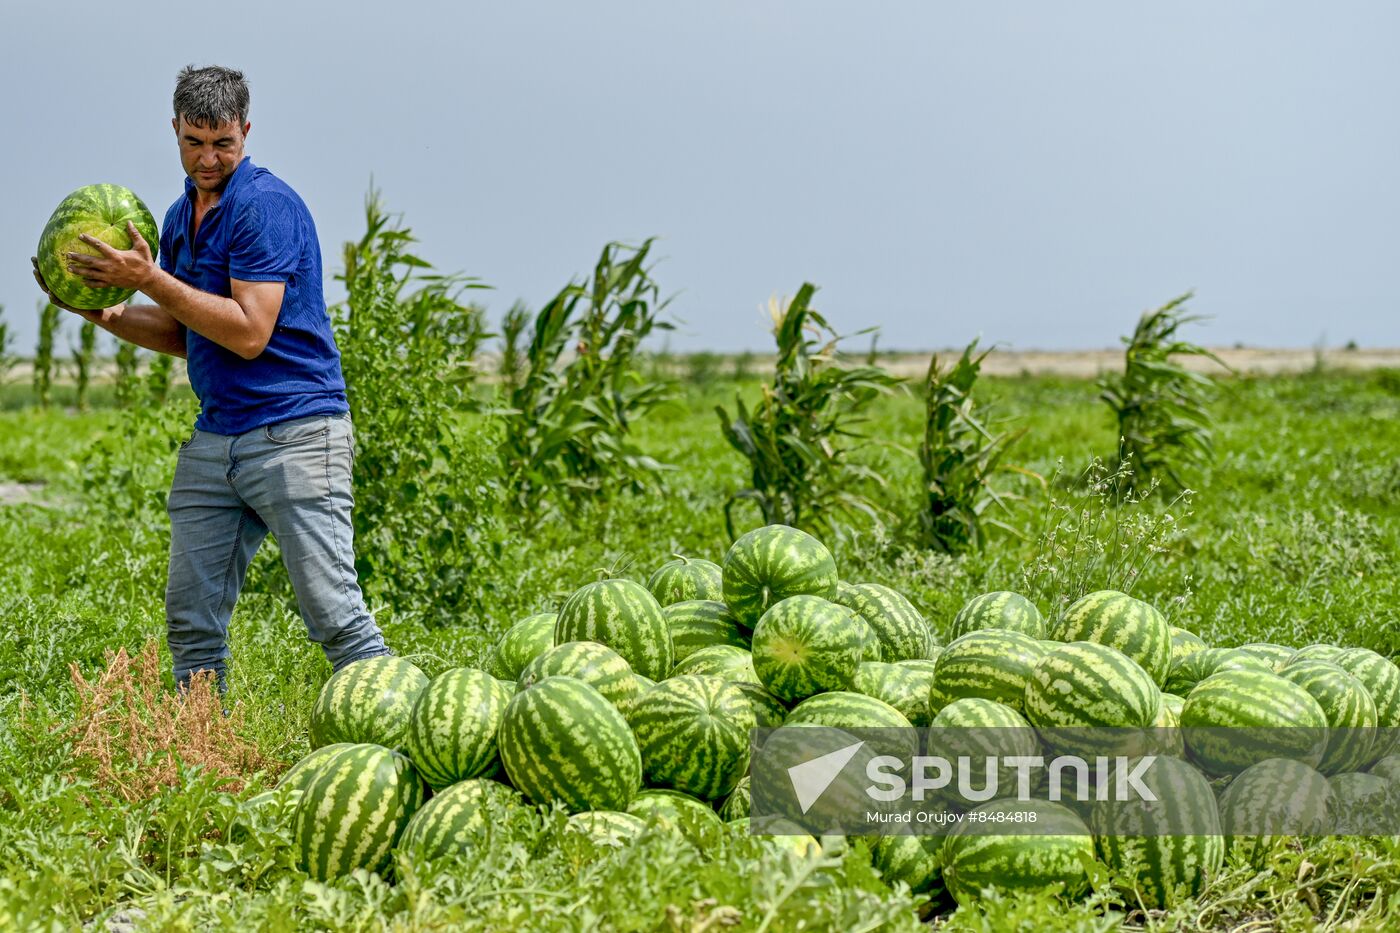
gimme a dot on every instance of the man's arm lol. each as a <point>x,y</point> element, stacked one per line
<point>144,325</point>
<point>242,323</point>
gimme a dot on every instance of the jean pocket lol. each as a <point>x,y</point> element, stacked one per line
<point>189,440</point>
<point>298,429</point>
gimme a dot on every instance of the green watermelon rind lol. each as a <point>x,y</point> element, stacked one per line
<point>452,731</point>
<point>805,645</point>
<point>1235,719</point>
<point>693,735</point>
<point>769,564</point>
<point>562,741</point>
<point>520,644</point>
<point>367,701</point>
<point>902,631</point>
<point>352,813</point>
<point>101,211</point>
<point>1002,609</point>
<point>624,616</point>
<point>1115,619</point>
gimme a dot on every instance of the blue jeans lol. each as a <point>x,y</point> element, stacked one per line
<point>292,479</point>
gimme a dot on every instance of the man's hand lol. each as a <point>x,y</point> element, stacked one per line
<point>97,317</point>
<point>114,268</point>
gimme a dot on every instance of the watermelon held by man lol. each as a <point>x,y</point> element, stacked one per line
<point>102,212</point>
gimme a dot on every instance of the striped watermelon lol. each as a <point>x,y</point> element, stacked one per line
<point>916,861</point>
<point>561,740</point>
<point>805,645</point>
<point>1318,653</point>
<point>367,701</point>
<point>989,663</point>
<point>840,709</point>
<point>1381,678</point>
<point>1270,803</point>
<point>976,729</point>
<point>1350,711</point>
<point>924,666</point>
<point>672,809</point>
<point>904,688</point>
<point>686,578</point>
<point>724,661</point>
<point>1004,610</point>
<point>1388,768</point>
<point>452,731</point>
<point>1167,848</point>
<point>1185,642</point>
<point>301,774</point>
<point>700,623</point>
<point>457,818</point>
<point>1095,690</point>
<point>1196,667</point>
<point>769,564</point>
<point>774,796</point>
<point>902,631</point>
<point>354,810</point>
<point>1235,719</point>
<point>1362,804</point>
<point>101,211</point>
<point>597,665</point>
<point>524,641</point>
<point>1116,619</point>
<point>736,805</point>
<point>625,617</point>
<point>607,828</point>
<point>870,649</point>
<point>768,711</point>
<point>693,733</point>
<point>976,861</point>
<point>1276,656</point>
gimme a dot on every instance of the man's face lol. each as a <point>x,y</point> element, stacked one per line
<point>209,154</point>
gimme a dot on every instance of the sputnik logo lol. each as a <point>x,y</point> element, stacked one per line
<point>811,778</point>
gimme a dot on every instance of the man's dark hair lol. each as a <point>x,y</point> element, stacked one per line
<point>211,96</point>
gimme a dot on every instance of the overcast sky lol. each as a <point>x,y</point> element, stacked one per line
<point>1036,173</point>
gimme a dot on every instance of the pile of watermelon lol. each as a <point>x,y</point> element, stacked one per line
<point>633,707</point>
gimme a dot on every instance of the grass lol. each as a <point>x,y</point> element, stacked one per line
<point>1291,537</point>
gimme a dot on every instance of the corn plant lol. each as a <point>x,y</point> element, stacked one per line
<point>84,355</point>
<point>409,343</point>
<point>959,456</point>
<point>125,387</point>
<point>1164,423</point>
<point>796,438</point>
<point>43,352</point>
<point>577,391</point>
<point>511,367</point>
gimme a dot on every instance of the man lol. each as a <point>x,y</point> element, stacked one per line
<point>238,294</point>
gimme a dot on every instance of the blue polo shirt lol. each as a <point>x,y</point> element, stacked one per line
<point>260,231</point>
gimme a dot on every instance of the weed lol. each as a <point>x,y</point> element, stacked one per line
<point>130,736</point>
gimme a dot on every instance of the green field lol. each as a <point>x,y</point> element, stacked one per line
<point>1292,536</point>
